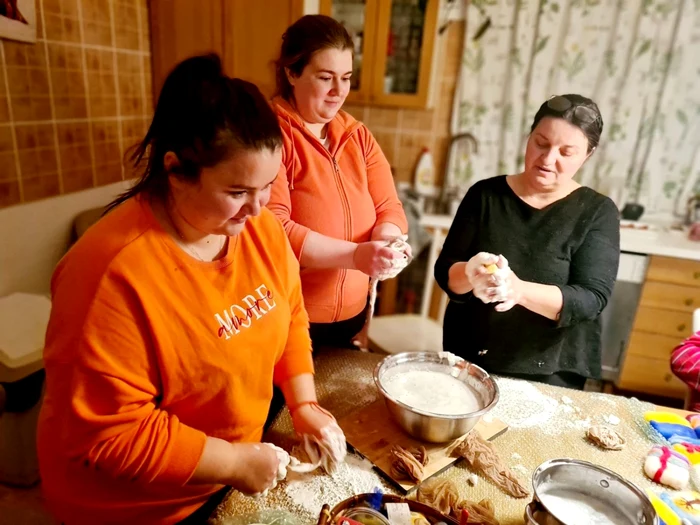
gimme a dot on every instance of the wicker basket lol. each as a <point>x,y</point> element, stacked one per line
<point>328,515</point>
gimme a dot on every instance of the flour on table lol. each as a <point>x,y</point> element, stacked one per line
<point>567,400</point>
<point>521,468</point>
<point>312,491</point>
<point>606,398</point>
<point>582,424</point>
<point>523,405</point>
<point>611,419</point>
<point>516,456</point>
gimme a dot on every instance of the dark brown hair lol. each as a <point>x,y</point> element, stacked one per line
<point>592,128</point>
<point>202,116</point>
<point>306,36</point>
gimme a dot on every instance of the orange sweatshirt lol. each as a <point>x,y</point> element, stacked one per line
<point>148,351</point>
<point>341,192</point>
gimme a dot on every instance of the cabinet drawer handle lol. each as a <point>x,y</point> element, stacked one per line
<point>681,327</point>
<point>688,302</point>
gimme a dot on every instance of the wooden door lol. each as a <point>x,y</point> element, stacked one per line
<point>246,34</point>
<point>180,29</point>
<point>253,36</point>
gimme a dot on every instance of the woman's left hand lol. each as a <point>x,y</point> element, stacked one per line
<point>407,251</point>
<point>310,419</point>
<point>513,288</point>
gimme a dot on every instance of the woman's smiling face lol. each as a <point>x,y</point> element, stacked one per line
<point>323,86</point>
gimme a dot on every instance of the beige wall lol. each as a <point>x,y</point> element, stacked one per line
<point>71,103</point>
<point>34,236</point>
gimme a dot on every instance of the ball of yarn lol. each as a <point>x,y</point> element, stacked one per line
<point>667,467</point>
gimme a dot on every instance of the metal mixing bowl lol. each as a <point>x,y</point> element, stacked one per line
<point>576,483</point>
<point>427,426</point>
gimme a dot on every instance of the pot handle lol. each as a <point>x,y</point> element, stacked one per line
<point>325,517</point>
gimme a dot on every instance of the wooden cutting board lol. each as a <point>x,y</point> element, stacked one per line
<point>371,431</point>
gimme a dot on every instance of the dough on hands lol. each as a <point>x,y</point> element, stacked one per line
<point>480,260</point>
<point>400,246</point>
<point>500,276</point>
<point>284,461</point>
<point>495,290</point>
<point>329,451</point>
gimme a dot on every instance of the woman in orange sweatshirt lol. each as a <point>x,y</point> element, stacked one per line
<point>173,316</point>
<point>335,194</point>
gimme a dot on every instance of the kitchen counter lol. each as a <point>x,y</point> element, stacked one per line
<point>545,422</point>
<point>664,242</point>
<point>656,240</point>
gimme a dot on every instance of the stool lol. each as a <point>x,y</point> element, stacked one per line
<point>23,321</point>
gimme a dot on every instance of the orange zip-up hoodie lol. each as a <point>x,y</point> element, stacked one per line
<point>148,351</point>
<point>341,192</point>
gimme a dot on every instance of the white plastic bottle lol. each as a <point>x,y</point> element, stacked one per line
<point>424,181</point>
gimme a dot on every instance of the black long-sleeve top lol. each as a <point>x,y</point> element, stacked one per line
<point>573,243</point>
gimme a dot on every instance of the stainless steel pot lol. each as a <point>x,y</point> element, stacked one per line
<point>536,515</point>
<point>565,488</point>
<point>427,426</point>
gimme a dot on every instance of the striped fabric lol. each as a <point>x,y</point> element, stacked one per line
<point>685,364</point>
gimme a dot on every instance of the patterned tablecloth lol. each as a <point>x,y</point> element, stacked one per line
<point>545,422</point>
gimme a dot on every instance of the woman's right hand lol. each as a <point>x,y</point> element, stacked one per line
<point>479,278</point>
<point>256,468</point>
<point>374,257</point>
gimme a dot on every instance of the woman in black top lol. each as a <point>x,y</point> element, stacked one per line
<point>557,245</point>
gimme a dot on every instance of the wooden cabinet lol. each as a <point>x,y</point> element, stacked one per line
<point>246,34</point>
<point>394,46</point>
<point>664,319</point>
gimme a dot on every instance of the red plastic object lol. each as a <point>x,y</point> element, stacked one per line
<point>342,520</point>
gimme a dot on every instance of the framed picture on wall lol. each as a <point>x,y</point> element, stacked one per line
<point>18,20</point>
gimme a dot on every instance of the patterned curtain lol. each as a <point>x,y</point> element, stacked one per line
<point>638,59</point>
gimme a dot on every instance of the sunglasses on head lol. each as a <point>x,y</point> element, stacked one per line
<point>583,114</point>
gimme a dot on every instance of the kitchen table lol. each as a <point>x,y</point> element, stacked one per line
<point>546,422</point>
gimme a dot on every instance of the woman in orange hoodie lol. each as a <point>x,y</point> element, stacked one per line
<point>335,193</point>
<point>173,316</point>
